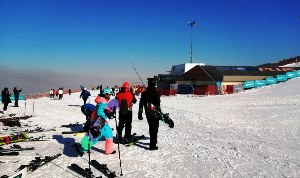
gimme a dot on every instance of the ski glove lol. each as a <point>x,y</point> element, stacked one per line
<point>140,117</point>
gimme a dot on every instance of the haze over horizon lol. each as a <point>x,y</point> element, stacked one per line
<point>48,44</point>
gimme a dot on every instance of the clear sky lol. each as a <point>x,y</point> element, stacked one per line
<point>104,37</point>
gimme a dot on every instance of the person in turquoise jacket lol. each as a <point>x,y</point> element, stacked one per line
<point>101,123</point>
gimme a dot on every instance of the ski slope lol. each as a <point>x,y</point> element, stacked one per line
<point>250,134</point>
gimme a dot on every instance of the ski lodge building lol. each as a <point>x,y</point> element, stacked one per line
<point>199,79</point>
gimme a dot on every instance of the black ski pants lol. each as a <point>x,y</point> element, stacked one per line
<point>153,130</point>
<point>5,106</point>
<point>125,120</point>
<point>16,102</point>
<point>84,101</point>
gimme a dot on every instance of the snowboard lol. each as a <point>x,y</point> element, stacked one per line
<point>112,104</point>
<point>156,113</point>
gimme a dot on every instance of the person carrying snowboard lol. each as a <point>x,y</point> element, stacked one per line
<point>126,100</point>
<point>100,124</point>
<point>149,98</point>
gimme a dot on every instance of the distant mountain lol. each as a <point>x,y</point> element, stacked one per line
<point>290,62</point>
<point>42,81</point>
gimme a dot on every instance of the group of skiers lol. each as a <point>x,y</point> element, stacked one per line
<point>99,117</point>
<point>6,97</point>
<point>58,93</point>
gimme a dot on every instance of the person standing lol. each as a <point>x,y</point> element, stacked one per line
<point>126,100</point>
<point>16,94</point>
<point>150,98</point>
<point>5,98</point>
<point>85,95</point>
<point>51,93</point>
<point>100,89</point>
<point>60,93</point>
<point>70,91</point>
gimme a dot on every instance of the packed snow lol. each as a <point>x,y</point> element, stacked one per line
<point>250,134</point>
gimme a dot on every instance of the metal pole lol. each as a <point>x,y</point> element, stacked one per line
<point>25,107</point>
<point>115,116</point>
<point>191,51</point>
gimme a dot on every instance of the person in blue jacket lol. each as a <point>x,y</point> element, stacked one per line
<point>85,95</point>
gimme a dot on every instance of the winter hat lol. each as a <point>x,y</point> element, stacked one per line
<point>126,85</point>
<point>151,82</point>
<point>107,91</point>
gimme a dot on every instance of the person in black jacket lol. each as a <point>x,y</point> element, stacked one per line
<point>16,94</point>
<point>150,99</point>
<point>5,98</point>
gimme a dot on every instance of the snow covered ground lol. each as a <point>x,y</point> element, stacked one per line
<point>250,134</point>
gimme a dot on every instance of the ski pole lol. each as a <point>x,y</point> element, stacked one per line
<point>88,116</point>
<point>138,74</point>
<point>118,141</point>
<point>25,107</point>
<point>33,108</point>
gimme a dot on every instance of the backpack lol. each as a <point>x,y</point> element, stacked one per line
<point>123,107</point>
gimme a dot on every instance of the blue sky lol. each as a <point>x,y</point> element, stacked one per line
<point>104,37</point>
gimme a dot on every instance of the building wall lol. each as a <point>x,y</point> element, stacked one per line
<point>242,78</point>
<point>182,68</point>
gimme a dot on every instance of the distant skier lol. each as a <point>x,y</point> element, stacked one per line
<point>51,93</point>
<point>85,95</point>
<point>60,93</point>
<point>16,94</point>
<point>5,98</point>
<point>150,97</point>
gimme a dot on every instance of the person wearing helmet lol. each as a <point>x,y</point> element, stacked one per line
<point>126,99</point>
<point>150,97</point>
<point>100,120</point>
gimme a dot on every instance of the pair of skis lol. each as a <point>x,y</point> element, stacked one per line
<point>134,140</point>
<point>13,150</point>
<point>100,167</point>
<point>22,137</point>
<point>13,138</point>
<point>38,129</point>
<point>32,166</point>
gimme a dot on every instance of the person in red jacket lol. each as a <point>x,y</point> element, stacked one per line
<point>126,99</point>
